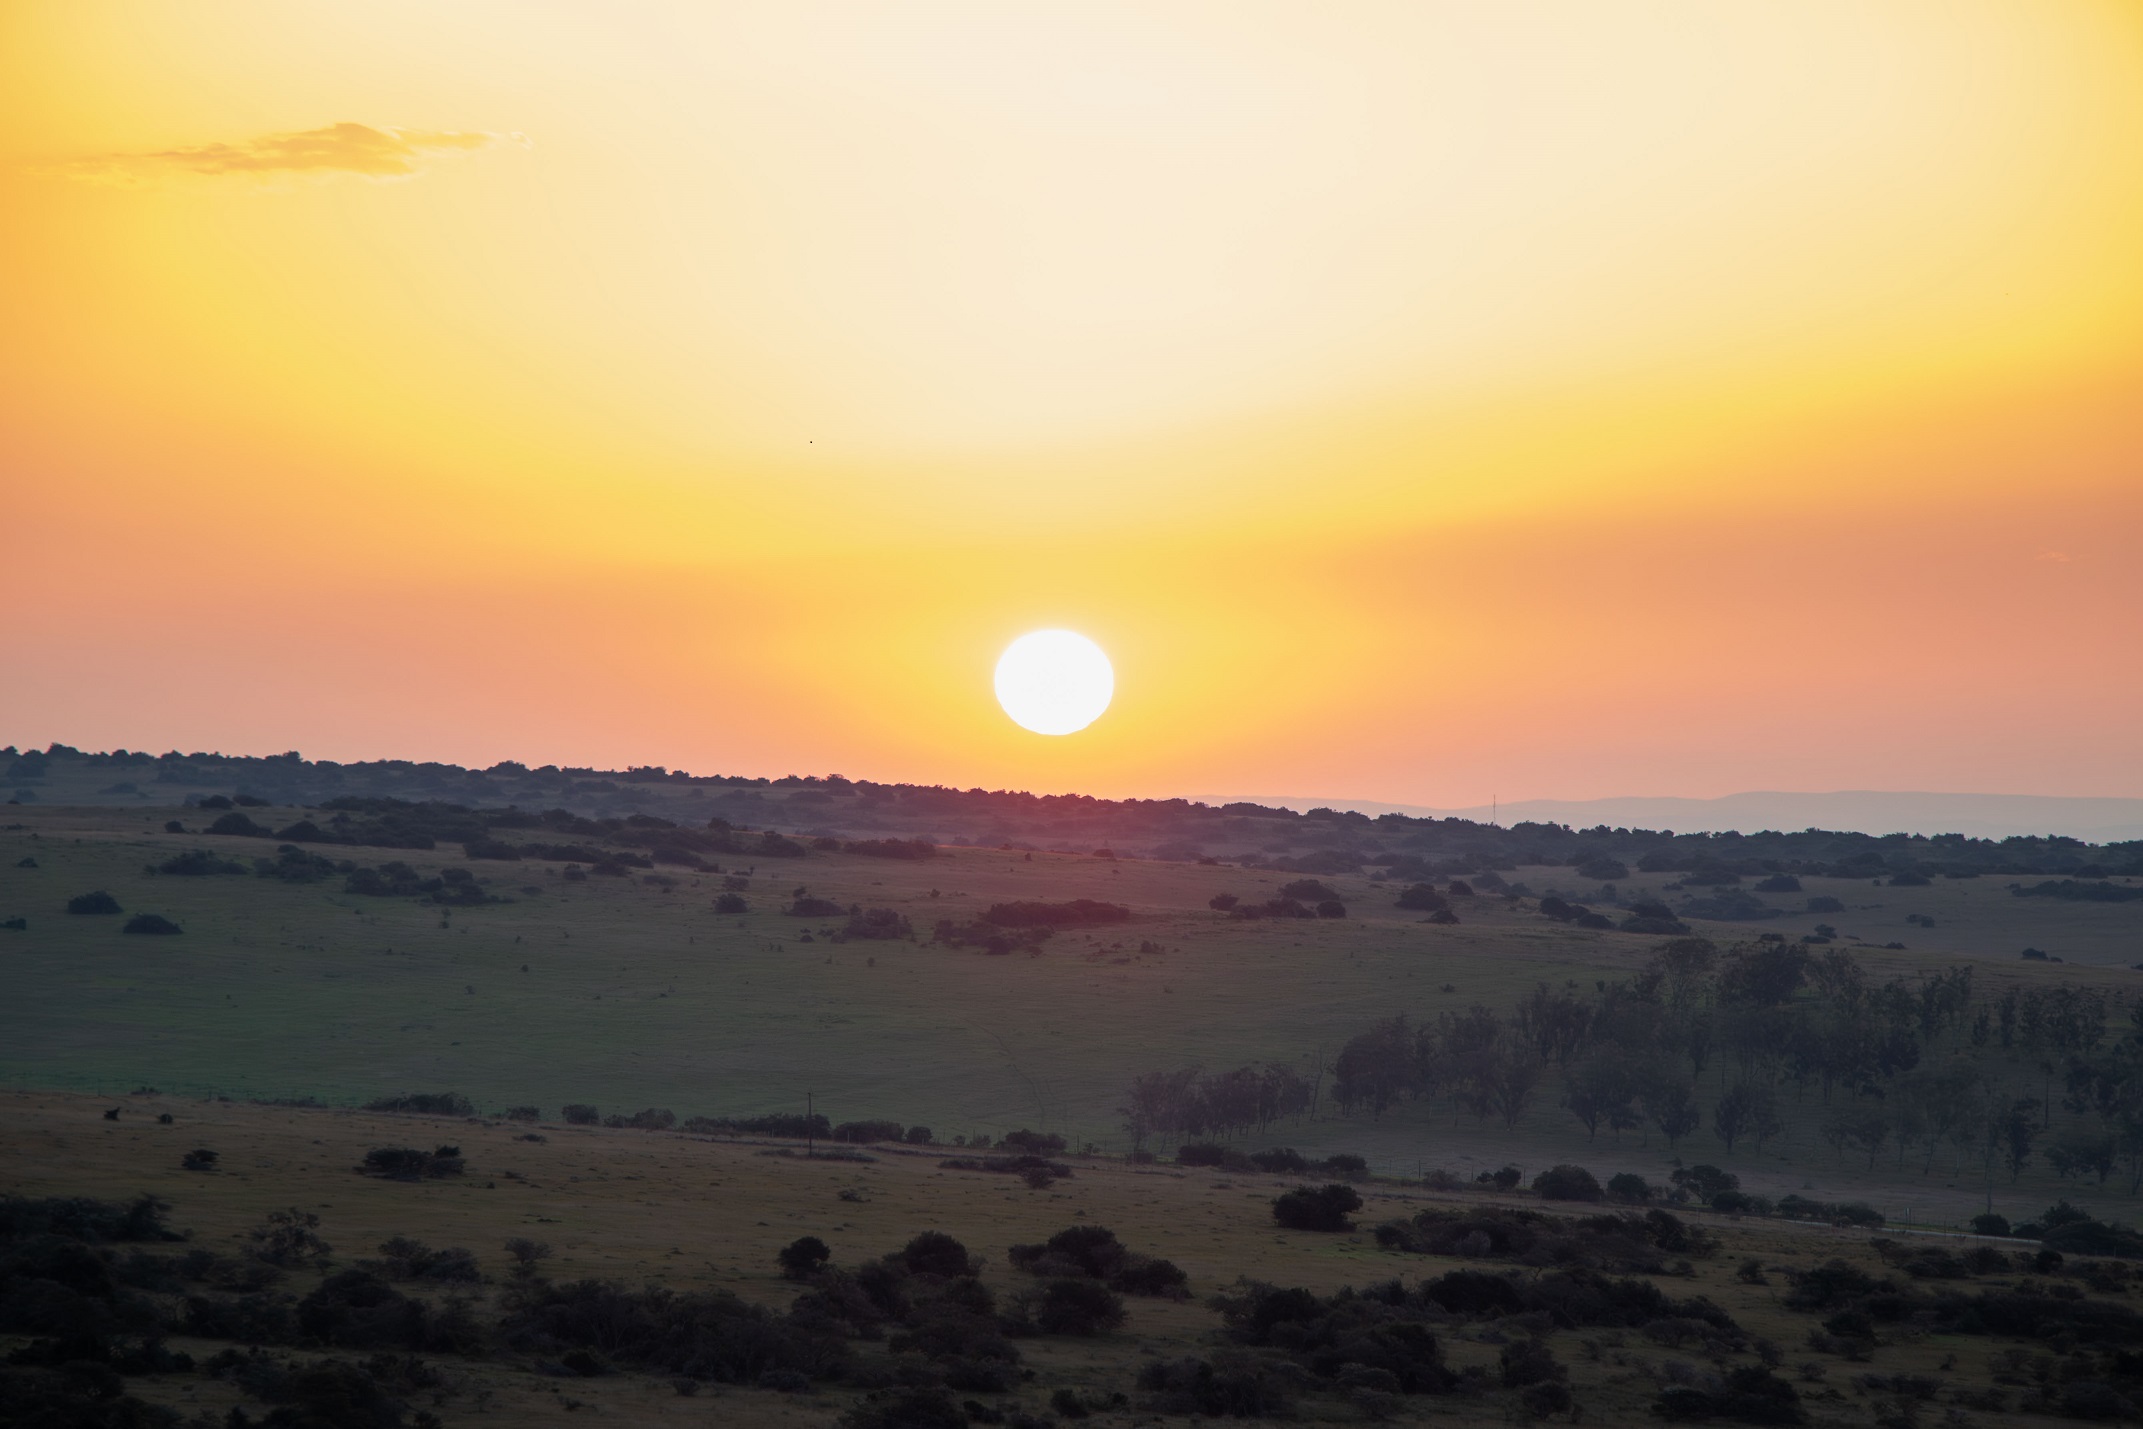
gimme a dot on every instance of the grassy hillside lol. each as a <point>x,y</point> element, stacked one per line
<point>628,993</point>
<point>703,1216</point>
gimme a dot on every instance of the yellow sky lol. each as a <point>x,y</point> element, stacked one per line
<point>1417,400</point>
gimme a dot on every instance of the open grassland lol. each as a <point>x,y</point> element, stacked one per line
<point>626,993</point>
<point>701,1214</point>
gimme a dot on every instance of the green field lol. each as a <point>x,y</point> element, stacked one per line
<point>629,994</point>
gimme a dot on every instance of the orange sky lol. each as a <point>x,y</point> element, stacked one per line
<point>1418,401</point>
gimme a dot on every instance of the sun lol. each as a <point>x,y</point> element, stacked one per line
<point>1054,681</point>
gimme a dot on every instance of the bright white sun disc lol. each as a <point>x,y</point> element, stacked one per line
<point>1054,681</point>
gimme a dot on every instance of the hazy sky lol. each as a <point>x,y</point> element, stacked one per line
<point>1419,401</point>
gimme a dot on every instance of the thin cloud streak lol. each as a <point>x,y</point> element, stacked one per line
<point>345,148</point>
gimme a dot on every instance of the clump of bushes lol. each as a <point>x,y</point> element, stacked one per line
<point>1567,1183</point>
<point>1322,1208</point>
<point>1077,913</point>
<point>582,1114</point>
<point>652,1119</point>
<point>197,863</point>
<point>98,903</point>
<point>405,1163</point>
<point>154,925</point>
<point>909,849</point>
<point>880,924</point>
<point>1621,1241</point>
<point>404,1259</point>
<point>1751,1394</point>
<point>731,903</point>
<point>869,1131</point>
<point>1094,1253</point>
<point>428,1104</point>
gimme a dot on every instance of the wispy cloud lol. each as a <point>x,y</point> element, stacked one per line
<point>346,148</point>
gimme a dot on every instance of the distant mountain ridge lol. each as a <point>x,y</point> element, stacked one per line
<point>1866,811</point>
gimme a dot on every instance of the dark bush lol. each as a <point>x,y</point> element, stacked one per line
<point>1331,908</point>
<point>1991,1224</point>
<point>868,1131</point>
<point>880,924</point>
<point>935,1253</point>
<point>710,1334</point>
<point>99,902</point>
<point>1077,913</point>
<point>200,1159</point>
<point>1231,1385</point>
<point>1073,1307</point>
<point>404,1259</point>
<point>1779,883</point>
<point>653,1118</point>
<point>1344,1164</point>
<point>198,863</point>
<point>151,925</point>
<point>1034,1143</point>
<point>895,848</point>
<point>425,1104</point>
<point>581,1114</point>
<point>1629,1188</point>
<point>1528,1361</point>
<point>1749,1395</point>
<point>918,1136</point>
<point>729,903</point>
<point>240,826</point>
<point>404,1163</point>
<point>803,1256</point>
<point>1423,898</point>
<point>1567,1183</point>
<point>1323,1209</point>
<point>928,1407</point>
<point>1279,1160</point>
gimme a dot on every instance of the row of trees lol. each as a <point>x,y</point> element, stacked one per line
<point>1771,1039</point>
<point>1194,1103</point>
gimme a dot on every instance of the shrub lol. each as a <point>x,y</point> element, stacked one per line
<point>238,825</point>
<point>199,1160</point>
<point>935,1253</point>
<point>1074,1307</point>
<point>425,1104</point>
<point>918,1136</point>
<point>1279,1160</point>
<point>802,1256</point>
<point>1423,898</point>
<point>1751,1395</point>
<point>1203,1153</point>
<point>197,863</point>
<point>1567,1183</point>
<point>404,1259</point>
<point>1222,902</point>
<point>1034,1143</point>
<point>404,1163</point>
<point>1309,890</point>
<point>1629,1188</point>
<point>1324,1208</point>
<point>920,1408</point>
<point>581,1114</point>
<point>895,848</point>
<point>1991,1224</point>
<point>1344,1164</point>
<point>729,903</point>
<point>652,1119</point>
<point>868,1131</point>
<point>1528,1361</point>
<point>1231,1385</point>
<point>1705,1182</point>
<point>99,902</point>
<point>152,925</point>
<point>524,1113</point>
<point>881,924</point>
<point>1331,908</point>
<point>289,1238</point>
<point>1077,913</point>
